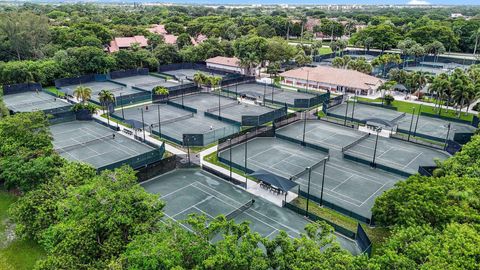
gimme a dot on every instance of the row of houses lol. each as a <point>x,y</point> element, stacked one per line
<point>120,43</point>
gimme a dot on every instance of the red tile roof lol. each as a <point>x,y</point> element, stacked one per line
<point>334,76</point>
<point>126,42</point>
<point>225,61</point>
<point>158,29</point>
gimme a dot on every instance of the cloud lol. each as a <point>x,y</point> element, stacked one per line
<point>418,2</point>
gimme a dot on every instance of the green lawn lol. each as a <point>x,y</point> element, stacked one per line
<point>19,254</point>
<point>376,234</point>
<point>54,90</point>
<point>325,50</point>
<point>403,106</point>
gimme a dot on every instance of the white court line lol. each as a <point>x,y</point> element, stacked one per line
<point>373,194</point>
<point>353,172</point>
<point>250,209</point>
<point>194,205</point>
<point>388,150</point>
<point>341,183</point>
<point>175,191</point>
<point>207,214</point>
<point>413,160</point>
<point>338,195</point>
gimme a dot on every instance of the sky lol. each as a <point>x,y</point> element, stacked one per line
<point>323,2</point>
<point>292,2</point>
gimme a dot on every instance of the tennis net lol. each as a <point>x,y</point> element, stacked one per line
<point>345,148</point>
<point>83,144</point>
<point>240,210</point>
<point>223,106</point>
<point>313,167</point>
<point>33,103</point>
<point>151,83</point>
<point>399,117</point>
<point>169,121</point>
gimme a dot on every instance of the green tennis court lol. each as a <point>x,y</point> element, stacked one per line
<point>33,101</point>
<point>204,101</point>
<point>116,89</point>
<point>396,154</point>
<point>93,143</point>
<point>433,127</point>
<point>349,185</point>
<point>320,133</point>
<point>363,111</point>
<point>189,191</point>
<point>188,73</point>
<point>146,82</point>
<point>258,91</point>
<point>175,122</point>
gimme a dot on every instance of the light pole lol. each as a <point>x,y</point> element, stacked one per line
<point>304,126</point>
<point>378,130</point>
<point>323,179</point>
<point>353,106</point>
<point>416,122</point>
<point>159,122</point>
<point>143,125</point>
<point>308,189</point>
<point>411,123</point>
<point>446,138</point>
<point>230,160</point>
<point>346,112</point>
<point>121,104</point>
<point>246,154</point>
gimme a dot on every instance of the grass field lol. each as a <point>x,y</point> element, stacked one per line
<point>18,254</point>
<point>377,235</point>
<point>54,90</point>
<point>403,106</point>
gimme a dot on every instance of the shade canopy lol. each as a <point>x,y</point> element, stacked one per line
<point>282,183</point>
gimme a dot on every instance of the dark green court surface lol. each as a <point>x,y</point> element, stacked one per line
<point>33,101</point>
<point>175,122</point>
<point>146,82</point>
<point>188,191</point>
<point>350,185</point>
<point>93,143</point>
<point>117,90</point>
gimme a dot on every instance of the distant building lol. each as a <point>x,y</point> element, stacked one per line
<point>229,64</point>
<point>171,39</point>
<point>121,43</point>
<point>456,15</point>
<point>332,79</point>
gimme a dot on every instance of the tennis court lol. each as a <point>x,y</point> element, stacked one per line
<point>146,82</point>
<point>116,89</point>
<point>272,94</point>
<point>193,191</point>
<point>427,69</point>
<point>363,111</point>
<point>321,133</point>
<point>33,101</point>
<point>432,127</point>
<point>93,143</point>
<point>175,122</point>
<point>204,101</point>
<point>187,74</point>
<point>349,185</point>
<point>396,154</point>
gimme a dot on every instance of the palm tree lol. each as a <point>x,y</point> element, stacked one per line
<point>214,81</point>
<point>341,62</point>
<point>249,62</point>
<point>82,93</point>
<point>106,98</point>
<point>199,79</point>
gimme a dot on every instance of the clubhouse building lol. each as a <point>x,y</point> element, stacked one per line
<point>332,79</point>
